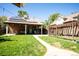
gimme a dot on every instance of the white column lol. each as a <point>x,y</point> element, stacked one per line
<point>25,29</point>
<point>6,28</point>
<point>41,29</point>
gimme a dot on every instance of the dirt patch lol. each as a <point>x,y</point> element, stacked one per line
<point>73,47</point>
<point>57,44</point>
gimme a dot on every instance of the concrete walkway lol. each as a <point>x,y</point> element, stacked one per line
<point>53,51</point>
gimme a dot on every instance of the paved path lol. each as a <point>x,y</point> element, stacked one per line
<point>53,51</point>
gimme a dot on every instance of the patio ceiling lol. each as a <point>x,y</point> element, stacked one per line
<point>18,4</point>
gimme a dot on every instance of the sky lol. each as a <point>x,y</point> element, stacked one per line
<point>39,10</point>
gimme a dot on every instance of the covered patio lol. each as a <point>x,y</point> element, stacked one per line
<point>24,27</point>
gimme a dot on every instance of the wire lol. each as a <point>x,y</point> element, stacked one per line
<point>6,10</point>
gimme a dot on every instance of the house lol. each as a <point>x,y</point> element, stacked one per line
<point>19,25</point>
<point>68,27</point>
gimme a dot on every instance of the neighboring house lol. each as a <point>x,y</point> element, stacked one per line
<point>18,25</point>
<point>69,26</point>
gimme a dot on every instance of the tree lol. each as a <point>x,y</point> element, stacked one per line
<point>22,13</point>
<point>46,23</point>
<point>2,25</point>
<point>2,19</point>
<point>53,17</point>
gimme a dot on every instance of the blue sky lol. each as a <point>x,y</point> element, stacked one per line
<point>40,10</point>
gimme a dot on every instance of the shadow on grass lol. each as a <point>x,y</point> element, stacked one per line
<point>4,39</point>
<point>72,40</point>
<point>65,38</point>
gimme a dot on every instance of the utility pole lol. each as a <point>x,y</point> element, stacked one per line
<point>3,11</point>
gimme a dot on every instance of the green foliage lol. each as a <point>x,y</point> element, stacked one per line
<point>20,45</point>
<point>21,13</point>
<point>2,19</point>
<point>66,44</point>
<point>46,23</point>
<point>51,19</point>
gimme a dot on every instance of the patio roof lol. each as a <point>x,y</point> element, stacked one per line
<point>20,20</point>
<point>67,19</point>
<point>24,22</point>
<point>18,4</point>
<point>69,23</point>
<point>71,17</point>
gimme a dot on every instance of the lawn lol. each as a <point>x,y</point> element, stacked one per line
<point>61,43</point>
<point>20,45</point>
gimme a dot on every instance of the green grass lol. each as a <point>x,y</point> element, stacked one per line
<point>65,44</point>
<point>20,45</point>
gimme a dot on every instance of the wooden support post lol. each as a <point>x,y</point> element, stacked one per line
<point>72,30</point>
<point>41,29</point>
<point>56,31</point>
<point>48,30</point>
<point>25,29</point>
<point>6,28</point>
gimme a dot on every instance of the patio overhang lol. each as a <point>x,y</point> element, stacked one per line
<point>29,23</point>
<point>20,25</point>
<point>18,4</point>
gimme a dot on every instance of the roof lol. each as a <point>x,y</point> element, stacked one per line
<point>61,19</point>
<point>58,21</point>
<point>20,20</point>
<point>68,20</point>
<point>70,17</point>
